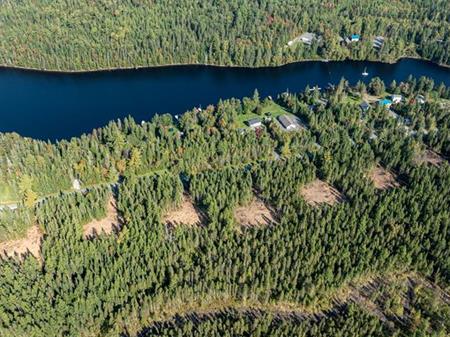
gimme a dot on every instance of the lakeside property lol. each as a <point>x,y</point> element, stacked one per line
<point>91,100</point>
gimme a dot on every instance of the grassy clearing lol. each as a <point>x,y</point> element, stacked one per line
<point>272,110</point>
<point>7,195</point>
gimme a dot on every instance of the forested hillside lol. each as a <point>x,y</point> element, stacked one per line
<point>89,35</point>
<point>373,262</point>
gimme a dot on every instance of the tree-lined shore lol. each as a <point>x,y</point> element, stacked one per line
<point>87,36</point>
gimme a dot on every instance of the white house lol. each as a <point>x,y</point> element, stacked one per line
<point>396,98</point>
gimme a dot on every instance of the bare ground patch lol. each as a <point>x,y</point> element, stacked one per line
<point>319,192</point>
<point>186,214</point>
<point>382,178</point>
<point>370,98</point>
<point>257,213</point>
<point>429,157</point>
<point>106,225</point>
<point>31,243</point>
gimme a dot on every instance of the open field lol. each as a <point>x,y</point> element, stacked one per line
<point>186,214</point>
<point>31,243</point>
<point>257,213</point>
<point>319,192</point>
<point>105,225</point>
<point>382,178</point>
<point>272,110</point>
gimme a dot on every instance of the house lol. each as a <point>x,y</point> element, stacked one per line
<point>286,122</point>
<point>378,42</point>
<point>364,106</point>
<point>254,123</point>
<point>385,102</point>
<point>307,38</point>
<point>396,98</point>
<point>355,38</point>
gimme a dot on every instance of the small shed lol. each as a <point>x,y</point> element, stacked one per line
<point>364,106</point>
<point>420,99</point>
<point>76,184</point>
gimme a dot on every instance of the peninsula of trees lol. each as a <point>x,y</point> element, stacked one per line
<point>84,35</point>
<point>354,238</point>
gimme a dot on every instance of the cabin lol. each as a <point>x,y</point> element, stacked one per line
<point>385,103</point>
<point>254,123</point>
<point>364,106</point>
<point>396,98</point>
<point>287,123</point>
<point>355,38</point>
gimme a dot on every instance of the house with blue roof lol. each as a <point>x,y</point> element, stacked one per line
<point>385,102</point>
<point>355,37</point>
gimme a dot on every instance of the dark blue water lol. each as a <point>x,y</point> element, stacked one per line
<point>56,106</point>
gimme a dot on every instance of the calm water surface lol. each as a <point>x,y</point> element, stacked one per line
<point>57,106</point>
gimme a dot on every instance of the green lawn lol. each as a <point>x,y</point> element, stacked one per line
<point>271,110</point>
<point>6,194</point>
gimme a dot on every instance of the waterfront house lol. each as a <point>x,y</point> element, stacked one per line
<point>254,123</point>
<point>385,103</point>
<point>286,122</point>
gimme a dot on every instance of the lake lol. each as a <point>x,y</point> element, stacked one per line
<point>59,105</point>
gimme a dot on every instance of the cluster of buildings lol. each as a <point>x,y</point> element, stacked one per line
<point>387,102</point>
<point>308,38</point>
<point>288,123</point>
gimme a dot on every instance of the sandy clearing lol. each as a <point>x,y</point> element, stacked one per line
<point>382,178</point>
<point>186,214</point>
<point>429,157</point>
<point>105,225</point>
<point>370,98</point>
<point>31,243</point>
<point>319,192</point>
<point>255,214</point>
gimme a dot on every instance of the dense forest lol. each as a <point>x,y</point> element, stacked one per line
<point>303,274</point>
<point>87,35</point>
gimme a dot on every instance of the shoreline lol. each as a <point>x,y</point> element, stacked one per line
<point>114,69</point>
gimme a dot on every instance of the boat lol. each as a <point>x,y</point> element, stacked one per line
<point>365,73</point>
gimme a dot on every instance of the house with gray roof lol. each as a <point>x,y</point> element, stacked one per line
<point>254,123</point>
<point>287,123</point>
